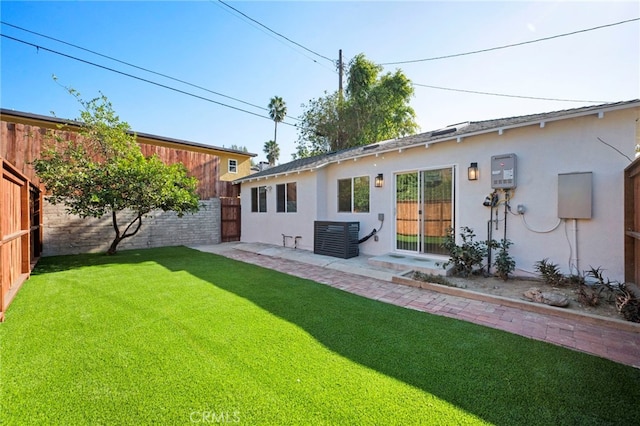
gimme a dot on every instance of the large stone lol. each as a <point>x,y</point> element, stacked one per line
<point>548,298</point>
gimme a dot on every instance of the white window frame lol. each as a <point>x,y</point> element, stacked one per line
<point>233,165</point>
<point>352,183</point>
<point>259,193</point>
<point>287,205</point>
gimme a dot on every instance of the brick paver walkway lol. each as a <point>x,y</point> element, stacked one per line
<point>600,340</point>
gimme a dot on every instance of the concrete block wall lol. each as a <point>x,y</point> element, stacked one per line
<point>68,234</point>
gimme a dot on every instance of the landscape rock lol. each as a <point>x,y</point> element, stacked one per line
<point>548,298</point>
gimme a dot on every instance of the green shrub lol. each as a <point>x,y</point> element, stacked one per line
<point>466,258</point>
<point>549,272</point>
<point>504,262</point>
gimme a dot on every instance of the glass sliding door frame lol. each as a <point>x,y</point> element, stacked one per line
<point>424,209</point>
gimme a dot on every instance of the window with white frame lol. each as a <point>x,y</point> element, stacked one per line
<point>353,195</point>
<point>287,198</point>
<point>259,199</point>
<point>233,166</point>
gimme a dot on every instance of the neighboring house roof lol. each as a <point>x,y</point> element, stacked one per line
<point>454,132</point>
<point>38,120</point>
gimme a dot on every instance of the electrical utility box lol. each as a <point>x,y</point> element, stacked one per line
<point>574,195</point>
<point>503,171</point>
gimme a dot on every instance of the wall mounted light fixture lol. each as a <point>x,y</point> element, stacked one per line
<point>379,180</point>
<point>472,171</point>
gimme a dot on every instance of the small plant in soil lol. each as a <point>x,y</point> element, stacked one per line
<point>601,289</point>
<point>628,305</point>
<point>466,258</point>
<point>626,301</point>
<point>431,278</point>
<point>591,294</point>
<point>504,262</point>
<point>606,288</point>
<point>550,273</point>
<point>588,296</point>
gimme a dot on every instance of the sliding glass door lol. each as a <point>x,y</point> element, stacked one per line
<point>424,209</point>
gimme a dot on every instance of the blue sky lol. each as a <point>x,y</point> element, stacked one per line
<point>209,45</point>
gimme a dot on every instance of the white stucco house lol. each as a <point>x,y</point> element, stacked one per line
<point>558,177</point>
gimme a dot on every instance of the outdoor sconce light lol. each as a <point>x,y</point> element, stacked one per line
<point>472,171</point>
<point>379,180</point>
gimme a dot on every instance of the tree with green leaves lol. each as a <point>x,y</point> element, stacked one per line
<point>272,150</point>
<point>104,172</point>
<point>242,148</point>
<point>277,112</point>
<point>239,148</point>
<point>375,107</point>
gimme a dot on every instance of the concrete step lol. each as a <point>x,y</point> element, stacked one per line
<point>401,262</point>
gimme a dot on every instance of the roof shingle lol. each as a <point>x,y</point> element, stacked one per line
<point>452,132</point>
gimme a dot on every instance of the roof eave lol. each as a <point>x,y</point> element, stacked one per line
<point>458,136</point>
<point>37,119</point>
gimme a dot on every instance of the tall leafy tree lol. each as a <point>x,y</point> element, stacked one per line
<point>239,147</point>
<point>277,112</point>
<point>272,150</point>
<point>104,172</point>
<point>375,107</point>
<point>243,149</point>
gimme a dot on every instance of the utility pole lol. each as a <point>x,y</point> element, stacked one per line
<point>340,66</point>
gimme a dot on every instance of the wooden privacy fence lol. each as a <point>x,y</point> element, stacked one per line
<point>20,144</point>
<point>632,222</point>
<point>20,231</point>
<point>202,166</point>
<point>230,217</point>
<point>436,214</point>
<point>21,201</point>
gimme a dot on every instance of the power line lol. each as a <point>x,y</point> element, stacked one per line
<point>507,96</point>
<point>277,33</point>
<point>510,45</point>
<point>284,43</point>
<point>219,94</point>
<point>140,78</point>
<point>136,66</point>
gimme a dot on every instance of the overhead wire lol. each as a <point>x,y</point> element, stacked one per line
<point>507,96</point>
<point>506,46</point>
<point>615,149</point>
<point>137,66</point>
<point>311,51</point>
<point>277,33</point>
<point>258,106</point>
<point>140,78</point>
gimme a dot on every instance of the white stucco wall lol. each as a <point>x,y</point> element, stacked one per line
<point>563,146</point>
<point>268,227</point>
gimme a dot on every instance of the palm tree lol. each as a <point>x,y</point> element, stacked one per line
<point>277,112</point>
<point>272,150</point>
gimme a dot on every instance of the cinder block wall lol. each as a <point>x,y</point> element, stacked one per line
<point>68,234</point>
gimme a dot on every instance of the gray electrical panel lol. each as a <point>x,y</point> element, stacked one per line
<point>574,195</point>
<point>503,171</point>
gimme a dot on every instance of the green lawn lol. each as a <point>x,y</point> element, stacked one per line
<point>176,336</point>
